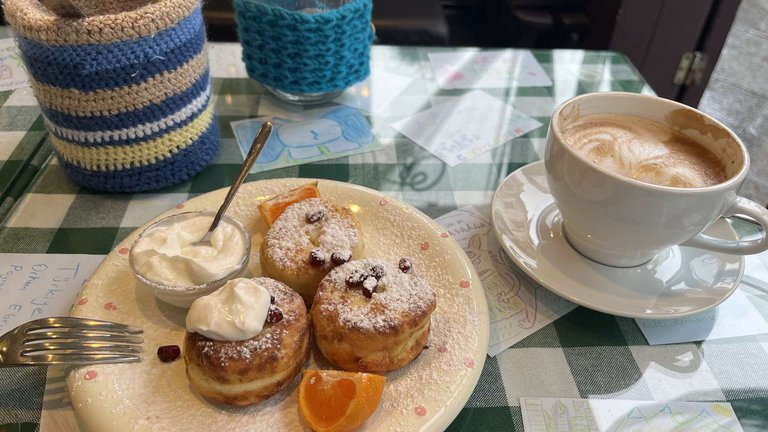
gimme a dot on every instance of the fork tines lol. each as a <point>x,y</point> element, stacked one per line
<point>81,323</point>
<point>69,340</point>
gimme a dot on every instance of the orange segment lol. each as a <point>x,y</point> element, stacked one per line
<point>272,208</point>
<point>338,401</point>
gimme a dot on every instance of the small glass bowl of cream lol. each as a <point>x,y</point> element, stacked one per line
<point>166,261</point>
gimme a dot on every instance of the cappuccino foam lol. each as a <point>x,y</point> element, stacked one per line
<point>643,150</point>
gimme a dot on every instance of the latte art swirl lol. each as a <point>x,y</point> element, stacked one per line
<point>643,150</point>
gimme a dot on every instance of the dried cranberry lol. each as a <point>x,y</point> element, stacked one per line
<point>356,278</point>
<point>274,315</point>
<point>315,216</point>
<point>377,271</point>
<point>271,299</point>
<point>317,257</point>
<point>168,353</point>
<point>367,293</point>
<point>340,258</point>
<point>405,265</point>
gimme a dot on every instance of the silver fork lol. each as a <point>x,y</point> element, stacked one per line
<point>69,340</point>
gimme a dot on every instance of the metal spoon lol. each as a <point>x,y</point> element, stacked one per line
<point>64,8</point>
<point>250,158</point>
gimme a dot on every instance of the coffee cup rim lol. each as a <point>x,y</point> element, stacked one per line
<point>737,178</point>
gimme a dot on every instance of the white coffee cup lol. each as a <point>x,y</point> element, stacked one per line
<point>622,222</point>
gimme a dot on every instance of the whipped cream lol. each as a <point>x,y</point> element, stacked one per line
<point>237,311</point>
<point>166,254</point>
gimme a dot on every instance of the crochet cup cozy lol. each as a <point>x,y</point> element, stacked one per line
<point>125,92</point>
<point>304,53</point>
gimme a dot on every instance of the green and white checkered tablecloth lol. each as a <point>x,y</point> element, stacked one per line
<point>22,142</point>
<point>583,354</point>
<point>23,150</point>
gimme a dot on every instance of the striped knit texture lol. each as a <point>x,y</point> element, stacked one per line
<point>126,112</point>
<point>303,53</point>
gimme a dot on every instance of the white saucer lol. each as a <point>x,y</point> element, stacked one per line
<point>678,282</point>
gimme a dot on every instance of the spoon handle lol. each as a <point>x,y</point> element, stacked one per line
<point>258,144</point>
<point>64,8</point>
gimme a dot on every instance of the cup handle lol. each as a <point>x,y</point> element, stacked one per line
<point>741,206</point>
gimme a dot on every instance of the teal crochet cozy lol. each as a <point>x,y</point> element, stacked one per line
<point>299,52</point>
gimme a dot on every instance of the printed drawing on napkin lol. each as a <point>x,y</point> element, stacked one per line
<point>612,415</point>
<point>466,69</point>
<point>516,305</point>
<point>318,135</point>
<point>463,128</point>
<point>12,72</point>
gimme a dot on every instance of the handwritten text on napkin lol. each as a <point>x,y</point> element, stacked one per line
<point>12,72</point>
<point>465,69</point>
<point>36,286</point>
<point>466,126</point>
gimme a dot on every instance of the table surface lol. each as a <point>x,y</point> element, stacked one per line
<point>583,354</point>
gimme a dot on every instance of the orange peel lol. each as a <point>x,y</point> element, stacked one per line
<point>272,208</point>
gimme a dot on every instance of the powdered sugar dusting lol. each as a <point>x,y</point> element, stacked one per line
<point>292,237</point>
<point>226,351</point>
<point>151,395</point>
<point>397,296</point>
<point>370,283</point>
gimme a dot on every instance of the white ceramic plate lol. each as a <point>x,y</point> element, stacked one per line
<point>678,282</point>
<point>426,395</point>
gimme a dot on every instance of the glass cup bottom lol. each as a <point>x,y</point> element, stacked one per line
<point>304,98</point>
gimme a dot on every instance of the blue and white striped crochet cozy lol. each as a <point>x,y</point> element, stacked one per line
<point>126,97</point>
